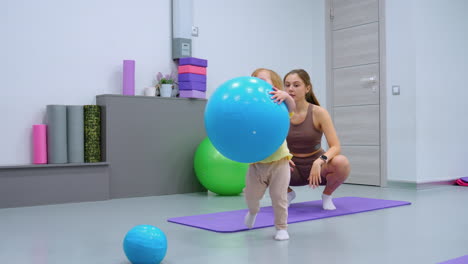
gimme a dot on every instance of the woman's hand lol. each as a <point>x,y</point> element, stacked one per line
<point>291,165</point>
<point>314,177</point>
<point>278,95</point>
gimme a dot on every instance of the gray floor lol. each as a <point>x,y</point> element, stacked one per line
<point>430,230</point>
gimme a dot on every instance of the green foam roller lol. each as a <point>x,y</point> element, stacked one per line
<point>92,133</point>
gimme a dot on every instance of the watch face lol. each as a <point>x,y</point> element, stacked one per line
<point>324,157</point>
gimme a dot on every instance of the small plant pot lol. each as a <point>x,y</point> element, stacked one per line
<point>166,90</point>
<point>150,91</point>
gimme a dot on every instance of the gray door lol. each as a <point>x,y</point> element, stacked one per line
<point>354,70</point>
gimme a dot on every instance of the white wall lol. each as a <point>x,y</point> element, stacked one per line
<point>66,52</point>
<point>401,109</point>
<point>427,55</point>
<point>239,36</point>
<point>441,72</point>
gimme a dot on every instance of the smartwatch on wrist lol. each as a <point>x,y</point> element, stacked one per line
<point>324,158</point>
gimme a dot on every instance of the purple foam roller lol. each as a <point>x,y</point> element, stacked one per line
<point>128,77</point>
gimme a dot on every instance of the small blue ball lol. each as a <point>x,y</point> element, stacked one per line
<point>145,244</point>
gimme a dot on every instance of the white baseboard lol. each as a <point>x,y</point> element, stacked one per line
<point>419,185</point>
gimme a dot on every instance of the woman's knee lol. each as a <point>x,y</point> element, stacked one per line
<point>341,165</point>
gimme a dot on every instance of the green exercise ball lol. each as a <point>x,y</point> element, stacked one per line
<point>218,173</point>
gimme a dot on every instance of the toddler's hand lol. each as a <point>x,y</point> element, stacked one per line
<point>278,95</point>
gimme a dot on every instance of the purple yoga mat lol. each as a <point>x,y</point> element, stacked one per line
<point>460,260</point>
<point>128,77</point>
<point>233,221</point>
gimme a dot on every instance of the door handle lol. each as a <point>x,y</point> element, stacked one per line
<point>369,80</point>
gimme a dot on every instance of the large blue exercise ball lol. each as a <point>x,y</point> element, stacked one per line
<point>243,122</point>
<point>145,244</point>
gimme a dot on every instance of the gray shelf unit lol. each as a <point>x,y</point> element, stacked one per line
<point>29,185</point>
<point>150,143</point>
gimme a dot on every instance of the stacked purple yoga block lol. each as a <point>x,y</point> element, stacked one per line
<point>192,83</point>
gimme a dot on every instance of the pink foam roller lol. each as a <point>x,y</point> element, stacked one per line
<point>40,144</point>
<point>192,69</point>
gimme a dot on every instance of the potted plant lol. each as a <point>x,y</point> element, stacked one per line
<point>166,83</point>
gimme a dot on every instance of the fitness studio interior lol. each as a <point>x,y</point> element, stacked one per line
<point>236,131</point>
